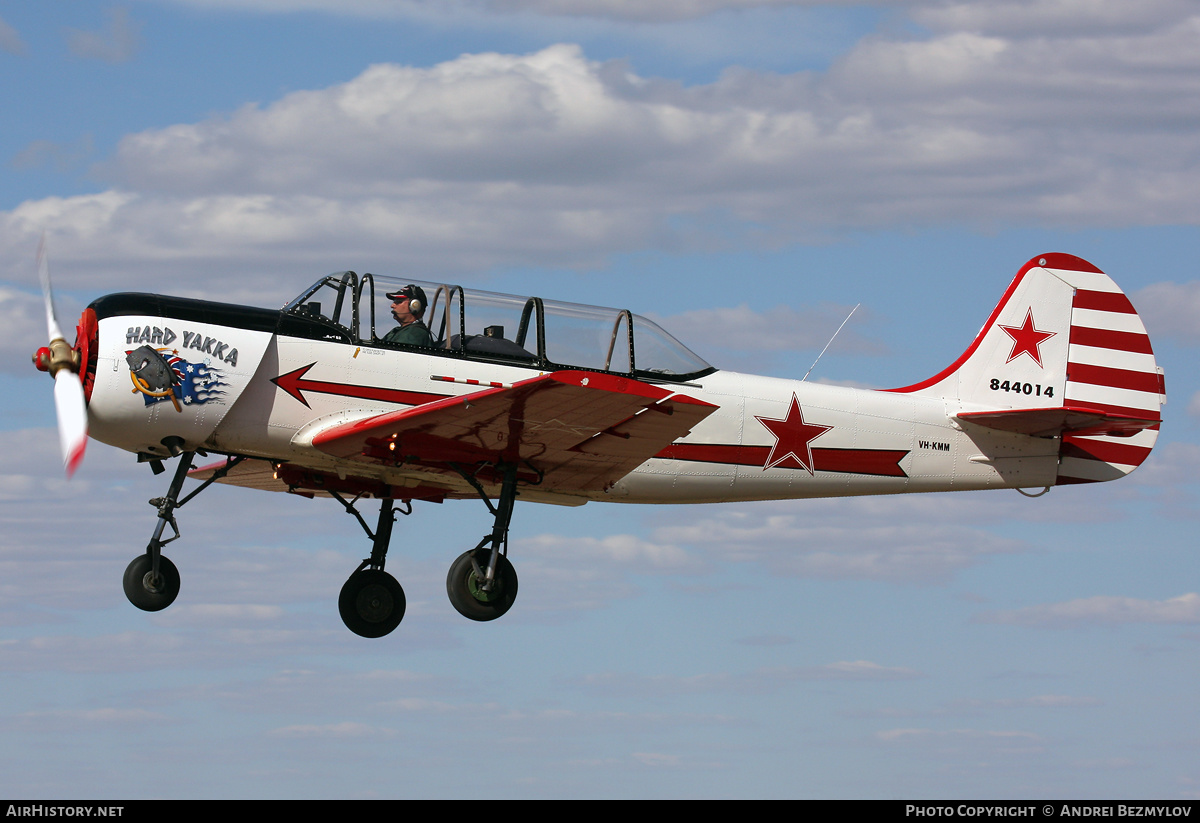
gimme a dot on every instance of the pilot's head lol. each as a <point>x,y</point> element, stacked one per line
<point>409,300</point>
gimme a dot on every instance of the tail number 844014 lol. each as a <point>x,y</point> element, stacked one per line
<point>1017,386</point>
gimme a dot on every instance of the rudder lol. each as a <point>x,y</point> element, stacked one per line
<point>1111,368</point>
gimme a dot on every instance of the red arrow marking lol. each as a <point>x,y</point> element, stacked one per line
<point>294,384</point>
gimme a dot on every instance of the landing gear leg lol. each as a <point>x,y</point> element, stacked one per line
<point>482,584</point>
<point>151,580</point>
<point>372,602</point>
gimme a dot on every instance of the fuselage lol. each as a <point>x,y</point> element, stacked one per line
<point>264,383</point>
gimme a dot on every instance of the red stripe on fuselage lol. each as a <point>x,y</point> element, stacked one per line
<point>878,462</point>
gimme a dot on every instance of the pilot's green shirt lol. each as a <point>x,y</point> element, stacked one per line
<point>414,334</point>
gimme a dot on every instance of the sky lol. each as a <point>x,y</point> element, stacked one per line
<point>743,171</point>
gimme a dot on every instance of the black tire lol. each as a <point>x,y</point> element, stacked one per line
<point>147,594</point>
<point>371,603</point>
<point>462,585</point>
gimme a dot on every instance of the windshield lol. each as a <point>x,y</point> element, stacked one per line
<point>485,325</point>
<point>331,298</point>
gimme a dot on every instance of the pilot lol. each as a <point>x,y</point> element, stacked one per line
<point>408,306</point>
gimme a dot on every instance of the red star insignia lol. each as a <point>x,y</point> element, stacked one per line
<point>792,439</point>
<point>1026,339</point>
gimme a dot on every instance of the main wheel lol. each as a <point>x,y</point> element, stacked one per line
<point>371,603</point>
<point>147,592</point>
<point>465,587</point>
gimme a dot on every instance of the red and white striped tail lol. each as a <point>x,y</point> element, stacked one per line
<point>1110,367</point>
<point>1064,354</point>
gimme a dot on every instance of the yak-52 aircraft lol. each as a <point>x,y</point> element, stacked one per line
<point>508,398</point>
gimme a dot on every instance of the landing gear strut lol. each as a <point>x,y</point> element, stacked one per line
<point>151,580</point>
<point>482,584</point>
<point>372,601</point>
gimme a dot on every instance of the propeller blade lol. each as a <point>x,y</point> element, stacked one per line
<point>69,403</point>
<point>72,418</point>
<point>47,291</point>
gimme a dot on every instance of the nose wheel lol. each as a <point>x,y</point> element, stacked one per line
<point>148,590</point>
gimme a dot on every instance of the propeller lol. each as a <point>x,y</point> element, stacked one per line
<point>62,361</point>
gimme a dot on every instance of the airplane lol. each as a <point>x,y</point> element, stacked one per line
<point>507,397</point>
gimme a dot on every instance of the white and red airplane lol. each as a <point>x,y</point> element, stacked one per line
<point>513,398</point>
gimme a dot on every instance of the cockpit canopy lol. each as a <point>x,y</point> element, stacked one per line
<point>483,325</point>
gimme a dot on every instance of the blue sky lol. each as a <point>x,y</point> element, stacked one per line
<point>745,172</point>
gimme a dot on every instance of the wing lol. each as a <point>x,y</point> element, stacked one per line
<point>581,431</point>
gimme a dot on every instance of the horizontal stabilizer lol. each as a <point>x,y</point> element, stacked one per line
<point>1053,422</point>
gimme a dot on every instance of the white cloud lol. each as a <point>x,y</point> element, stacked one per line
<point>1007,16</point>
<point>1170,310</point>
<point>1042,18</point>
<point>757,681</point>
<point>347,729</point>
<point>1041,701</point>
<point>210,614</point>
<point>1092,611</point>
<point>658,11</point>
<point>73,720</point>
<point>849,539</point>
<point>10,40</point>
<point>61,157</point>
<point>951,740</point>
<point>1171,466</point>
<point>655,12</point>
<point>850,670</point>
<point>117,42</point>
<point>554,581</point>
<point>550,159</point>
<point>658,760</point>
<point>23,318</point>
<point>776,329</point>
<point>623,550</point>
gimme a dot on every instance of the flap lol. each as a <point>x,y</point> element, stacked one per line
<point>289,477</point>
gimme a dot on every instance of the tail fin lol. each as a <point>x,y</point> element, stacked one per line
<point>1064,354</point>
